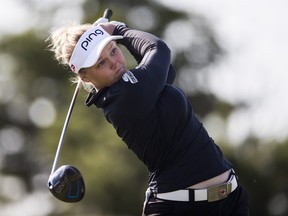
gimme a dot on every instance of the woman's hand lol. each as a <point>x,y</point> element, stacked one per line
<point>108,27</point>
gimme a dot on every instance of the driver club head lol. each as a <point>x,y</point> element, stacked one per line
<point>67,184</point>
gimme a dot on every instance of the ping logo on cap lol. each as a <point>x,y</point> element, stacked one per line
<point>90,37</point>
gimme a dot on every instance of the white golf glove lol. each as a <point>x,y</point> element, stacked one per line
<point>100,20</point>
<point>105,20</point>
<point>118,23</point>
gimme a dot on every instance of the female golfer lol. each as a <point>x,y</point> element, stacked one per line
<point>188,173</point>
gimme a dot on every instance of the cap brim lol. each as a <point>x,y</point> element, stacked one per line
<point>97,50</point>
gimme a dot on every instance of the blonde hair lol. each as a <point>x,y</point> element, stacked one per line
<point>62,41</point>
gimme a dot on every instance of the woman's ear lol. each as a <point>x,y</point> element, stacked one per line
<point>83,76</point>
<point>85,79</point>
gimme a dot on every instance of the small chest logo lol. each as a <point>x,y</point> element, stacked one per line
<point>129,77</point>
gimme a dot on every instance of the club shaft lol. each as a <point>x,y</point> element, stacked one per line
<point>65,126</point>
<point>107,14</point>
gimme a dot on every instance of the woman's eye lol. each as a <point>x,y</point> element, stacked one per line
<point>101,63</point>
<point>114,50</point>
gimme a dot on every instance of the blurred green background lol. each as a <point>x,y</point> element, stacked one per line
<point>35,93</point>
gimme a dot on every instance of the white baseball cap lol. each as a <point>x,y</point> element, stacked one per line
<point>89,47</point>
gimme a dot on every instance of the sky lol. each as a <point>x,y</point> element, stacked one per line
<point>24,14</point>
<point>254,34</point>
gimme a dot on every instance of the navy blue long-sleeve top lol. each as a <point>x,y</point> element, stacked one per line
<point>155,119</point>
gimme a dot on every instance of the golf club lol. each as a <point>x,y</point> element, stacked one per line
<point>67,183</point>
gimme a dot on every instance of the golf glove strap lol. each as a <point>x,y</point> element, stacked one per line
<point>117,23</point>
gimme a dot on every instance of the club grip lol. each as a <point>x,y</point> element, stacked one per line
<point>108,13</point>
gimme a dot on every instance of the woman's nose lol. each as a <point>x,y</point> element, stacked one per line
<point>113,62</point>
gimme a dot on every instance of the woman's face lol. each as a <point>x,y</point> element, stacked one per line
<point>109,68</point>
